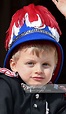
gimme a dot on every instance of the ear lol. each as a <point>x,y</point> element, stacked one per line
<point>13,65</point>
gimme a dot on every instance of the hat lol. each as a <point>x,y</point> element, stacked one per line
<point>33,23</point>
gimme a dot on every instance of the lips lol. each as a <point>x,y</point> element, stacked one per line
<point>38,78</point>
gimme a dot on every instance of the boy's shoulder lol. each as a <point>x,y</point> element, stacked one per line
<point>7,72</point>
<point>7,78</point>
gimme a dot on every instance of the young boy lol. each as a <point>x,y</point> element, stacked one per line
<point>35,59</point>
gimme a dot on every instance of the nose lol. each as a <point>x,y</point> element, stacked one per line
<point>38,70</point>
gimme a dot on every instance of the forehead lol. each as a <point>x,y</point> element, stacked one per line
<point>46,47</point>
<point>42,56</point>
<point>39,44</point>
<point>35,48</point>
<point>39,52</point>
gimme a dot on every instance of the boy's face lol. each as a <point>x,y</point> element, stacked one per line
<point>33,69</point>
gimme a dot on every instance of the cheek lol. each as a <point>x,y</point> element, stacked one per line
<point>24,72</point>
<point>48,73</point>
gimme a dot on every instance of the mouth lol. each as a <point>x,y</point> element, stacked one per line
<point>38,78</point>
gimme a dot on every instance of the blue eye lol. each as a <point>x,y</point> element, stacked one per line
<point>30,64</point>
<point>45,65</point>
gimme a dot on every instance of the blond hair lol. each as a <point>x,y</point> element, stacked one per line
<point>36,48</point>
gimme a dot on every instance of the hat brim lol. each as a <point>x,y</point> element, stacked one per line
<point>38,37</point>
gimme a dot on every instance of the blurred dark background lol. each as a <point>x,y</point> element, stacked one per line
<point>9,7</point>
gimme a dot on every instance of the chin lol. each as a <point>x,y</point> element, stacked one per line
<point>36,84</point>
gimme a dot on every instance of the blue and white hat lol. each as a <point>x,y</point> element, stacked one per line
<point>34,23</point>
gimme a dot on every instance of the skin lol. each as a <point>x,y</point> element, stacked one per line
<point>61,5</point>
<point>33,69</point>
